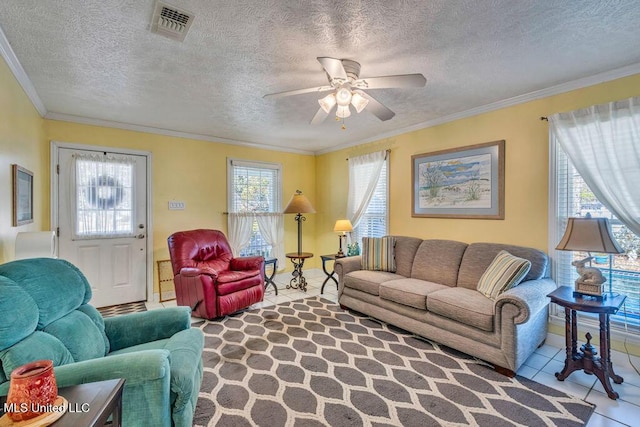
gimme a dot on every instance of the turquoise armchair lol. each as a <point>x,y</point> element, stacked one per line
<point>45,315</point>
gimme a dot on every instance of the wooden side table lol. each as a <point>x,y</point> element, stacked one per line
<point>298,281</point>
<point>587,359</point>
<point>330,275</point>
<point>90,404</point>
<point>268,280</point>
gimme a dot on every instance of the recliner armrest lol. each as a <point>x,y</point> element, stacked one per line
<point>247,263</point>
<point>196,271</point>
<point>138,328</point>
<point>137,367</point>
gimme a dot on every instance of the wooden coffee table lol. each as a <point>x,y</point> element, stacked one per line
<point>90,404</point>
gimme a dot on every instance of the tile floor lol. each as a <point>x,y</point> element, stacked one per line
<point>540,367</point>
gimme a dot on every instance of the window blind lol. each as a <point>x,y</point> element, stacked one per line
<point>374,222</point>
<point>571,196</point>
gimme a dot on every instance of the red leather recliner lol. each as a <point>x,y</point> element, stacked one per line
<point>209,279</point>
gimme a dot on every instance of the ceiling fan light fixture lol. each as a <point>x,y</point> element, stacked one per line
<point>358,101</point>
<point>328,102</point>
<point>343,96</point>
<point>343,111</point>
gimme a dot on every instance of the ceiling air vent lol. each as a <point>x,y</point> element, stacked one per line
<point>170,21</point>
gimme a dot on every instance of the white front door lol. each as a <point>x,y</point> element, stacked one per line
<point>102,211</point>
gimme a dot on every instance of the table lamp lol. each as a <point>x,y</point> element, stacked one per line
<point>343,226</point>
<point>298,205</point>
<point>590,235</point>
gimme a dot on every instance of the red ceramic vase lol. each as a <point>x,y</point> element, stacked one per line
<point>32,390</point>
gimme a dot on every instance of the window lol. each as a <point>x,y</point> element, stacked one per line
<point>254,190</point>
<point>104,195</point>
<point>374,221</point>
<point>570,196</point>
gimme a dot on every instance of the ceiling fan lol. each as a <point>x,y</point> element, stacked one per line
<point>347,88</point>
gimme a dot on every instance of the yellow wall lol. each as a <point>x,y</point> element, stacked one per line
<point>526,170</point>
<point>21,142</point>
<point>195,172</point>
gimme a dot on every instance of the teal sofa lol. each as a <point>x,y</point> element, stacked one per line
<point>45,312</point>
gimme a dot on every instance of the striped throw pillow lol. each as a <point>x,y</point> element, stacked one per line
<point>505,272</point>
<point>378,253</point>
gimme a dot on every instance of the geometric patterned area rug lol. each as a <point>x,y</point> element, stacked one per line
<point>309,363</point>
<point>116,310</point>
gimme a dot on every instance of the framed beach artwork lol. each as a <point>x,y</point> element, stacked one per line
<point>22,195</point>
<point>466,182</point>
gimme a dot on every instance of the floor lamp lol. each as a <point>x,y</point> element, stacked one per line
<point>299,204</point>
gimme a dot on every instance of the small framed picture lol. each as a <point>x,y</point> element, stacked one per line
<point>465,182</point>
<point>22,195</point>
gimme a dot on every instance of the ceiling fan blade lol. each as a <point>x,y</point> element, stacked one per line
<point>377,109</point>
<point>298,92</point>
<point>319,117</point>
<point>333,67</point>
<point>402,80</point>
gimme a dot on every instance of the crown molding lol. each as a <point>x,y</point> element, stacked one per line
<point>618,73</point>
<point>167,132</point>
<point>21,76</point>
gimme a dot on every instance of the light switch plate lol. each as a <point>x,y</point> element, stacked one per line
<point>176,205</point>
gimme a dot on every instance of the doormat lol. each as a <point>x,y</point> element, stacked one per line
<point>116,310</point>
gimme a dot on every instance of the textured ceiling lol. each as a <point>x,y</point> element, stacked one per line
<point>97,60</point>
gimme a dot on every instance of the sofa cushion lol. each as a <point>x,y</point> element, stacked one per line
<point>39,276</point>
<point>466,306</point>
<point>368,281</point>
<point>39,345</point>
<point>406,248</point>
<point>378,253</point>
<point>505,272</point>
<point>411,292</point>
<point>438,261</point>
<point>79,334</point>
<point>14,299</point>
<point>479,256</point>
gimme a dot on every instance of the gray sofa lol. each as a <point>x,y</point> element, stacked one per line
<point>433,294</point>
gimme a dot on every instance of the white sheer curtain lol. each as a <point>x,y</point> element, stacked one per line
<point>271,227</point>
<point>240,226</point>
<point>603,144</point>
<point>102,187</point>
<point>364,172</point>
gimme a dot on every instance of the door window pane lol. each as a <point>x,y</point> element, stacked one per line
<point>103,196</point>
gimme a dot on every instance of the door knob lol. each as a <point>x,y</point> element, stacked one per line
<point>140,236</point>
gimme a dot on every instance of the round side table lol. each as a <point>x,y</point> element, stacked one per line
<point>298,280</point>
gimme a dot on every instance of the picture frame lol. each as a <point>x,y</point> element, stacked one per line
<point>465,182</point>
<point>22,195</point>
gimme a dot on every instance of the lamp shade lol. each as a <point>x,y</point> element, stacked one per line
<point>327,102</point>
<point>589,234</point>
<point>343,226</point>
<point>299,204</point>
<point>359,101</point>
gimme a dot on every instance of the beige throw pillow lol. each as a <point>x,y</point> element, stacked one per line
<point>505,272</point>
